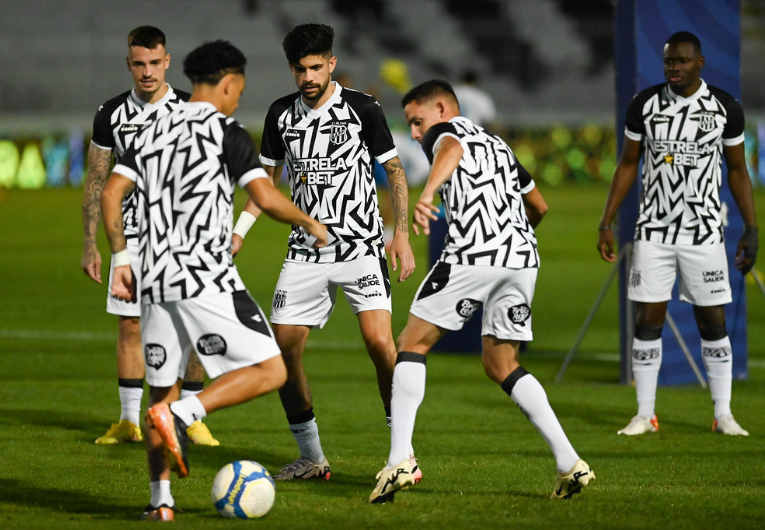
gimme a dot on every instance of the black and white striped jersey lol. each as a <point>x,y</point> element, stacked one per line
<point>328,153</point>
<point>116,124</point>
<point>185,166</point>
<point>483,200</point>
<point>683,141</point>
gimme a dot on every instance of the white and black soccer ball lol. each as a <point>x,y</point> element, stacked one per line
<point>243,489</point>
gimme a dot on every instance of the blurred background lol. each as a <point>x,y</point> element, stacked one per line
<point>538,72</point>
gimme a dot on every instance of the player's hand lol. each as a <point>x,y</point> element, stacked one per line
<point>606,245</point>
<point>400,249</point>
<point>91,263</point>
<point>319,231</point>
<point>424,212</point>
<point>236,244</point>
<point>746,253</point>
<point>123,284</point>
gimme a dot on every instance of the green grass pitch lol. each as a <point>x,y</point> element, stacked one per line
<point>484,465</point>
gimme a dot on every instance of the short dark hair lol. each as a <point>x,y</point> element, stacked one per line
<point>687,37</point>
<point>427,90</point>
<point>146,37</point>
<point>308,39</point>
<point>211,61</point>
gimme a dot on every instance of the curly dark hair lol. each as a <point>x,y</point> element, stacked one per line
<point>211,61</point>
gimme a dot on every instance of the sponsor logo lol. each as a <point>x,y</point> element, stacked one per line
<point>155,355</point>
<point>280,299</point>
<point>713,276</point>
<point>658,118</point>
<point>467,306</point>
<point>369,280</point>
<point>716,291</point>
<point>707,121</point>
<point>681,153</point>
<point>717,353</point>
<point>292,133</point>
<point>519,314</point>
<point>645,355</point>
<point>211,344</point>
<point>128,128</point>
<point>338,133</point>
<point>635,278</point>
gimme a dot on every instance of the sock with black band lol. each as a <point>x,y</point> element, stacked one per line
<point>407,395</point>
<point>131,393</point>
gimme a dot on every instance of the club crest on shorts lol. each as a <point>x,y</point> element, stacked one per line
<point>635,278</point>
<point>338,133</point>
<point>467,306</point>
<point>211,344</point>
<point>280,299</point>
<point>155,355</point>
<point>519,314</point>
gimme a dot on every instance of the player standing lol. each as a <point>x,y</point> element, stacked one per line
<point>114,127</point>
<point>183,168</point>
<point>492,206</point>
<point>328,136</point>
<point>685,128</point>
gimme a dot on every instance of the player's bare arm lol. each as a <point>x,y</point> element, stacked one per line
<point>270,200</point>
<point>99,161</point>
<point>399,198</point>
<point>741,189</point>
<point>448,153</point>
<point>536,207</point>
<point>114,192</point>
<point>624,177</point>
<point>237,239</point>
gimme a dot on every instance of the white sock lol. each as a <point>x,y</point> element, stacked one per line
<point>528,393</point>
<point>187,393</point>
<point>718,360</point>
<point>306,435</point>
<point>160,494</point>
<point>189,409</point>
<point>389,422</point>
<point>407,395</point>
<point>130,402</point>
<point>646,362</point>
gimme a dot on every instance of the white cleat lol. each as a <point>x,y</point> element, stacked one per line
<point>640,425</point>
<point>572,482</point>
<point>390,480</point>
<point>727,424</point>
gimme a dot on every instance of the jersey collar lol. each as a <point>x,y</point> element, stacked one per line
<point>690,99</point>
<point>331,101</point>
<point>141,103</point>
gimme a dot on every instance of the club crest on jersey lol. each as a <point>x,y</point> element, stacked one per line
<point>338,133</point>
<point>280,299</point>
<point>519,314</point>
<point>155,355</point>
<point>707,121</point>
<point>211,344</point>
<point>467,306</point>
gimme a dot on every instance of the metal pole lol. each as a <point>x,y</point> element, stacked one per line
<point>757,280</point>
<point>686,351</point>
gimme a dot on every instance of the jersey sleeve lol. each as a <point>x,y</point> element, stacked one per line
<point>102,130</point>
<point>524,178</point>
<point>733,134</point>
<point>241,156</point>
<point>271,146</point>
<point>434,135</point>
<point>376,132</point>
<point>634,127</point>
<point>128,165</point>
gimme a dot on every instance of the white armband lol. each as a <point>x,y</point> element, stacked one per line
<point>245,222</point>
<point>121,258</point>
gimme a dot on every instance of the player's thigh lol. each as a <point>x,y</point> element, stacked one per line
<point>364,281</point>
<point>450,294</point>
<point>652,272</point>
<point>166,344</point>
<point>122,308</point>
<point>228,331</point>
<point>507,312</point>
<point>704,279</point>
<point>303,295</point>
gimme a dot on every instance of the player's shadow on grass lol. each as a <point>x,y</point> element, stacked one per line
<point>14,491</point>
<point>54,418</point>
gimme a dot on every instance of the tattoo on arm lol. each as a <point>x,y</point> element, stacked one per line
<point>399,193</point>
<point>99,161</point>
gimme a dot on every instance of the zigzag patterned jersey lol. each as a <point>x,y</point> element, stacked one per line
<point>116,123</point>
<point>683,141</point>
<point>185,166</point>
<point>483,200</point>
<point>328,153</point>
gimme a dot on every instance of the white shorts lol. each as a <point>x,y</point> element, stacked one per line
<point>227,330</point>
<point>121,307</point>
<point>703,273</point>
<point>305,293</point>
<point>450,294</point>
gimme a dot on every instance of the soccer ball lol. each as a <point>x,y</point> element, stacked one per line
<point>243,489</point>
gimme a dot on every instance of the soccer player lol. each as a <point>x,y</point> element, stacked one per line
<point>183,168</point>
<point>490,260</point>
<point>114,127</point>
<point>329,136</point>
<point>683,128</point>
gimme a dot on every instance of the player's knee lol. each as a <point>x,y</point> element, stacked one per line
<point>380,345</point>
<point>716,332</point>
<point>648,333</point>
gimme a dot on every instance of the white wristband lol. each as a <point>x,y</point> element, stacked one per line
<point>245,222</point>
<point>121,258</point>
